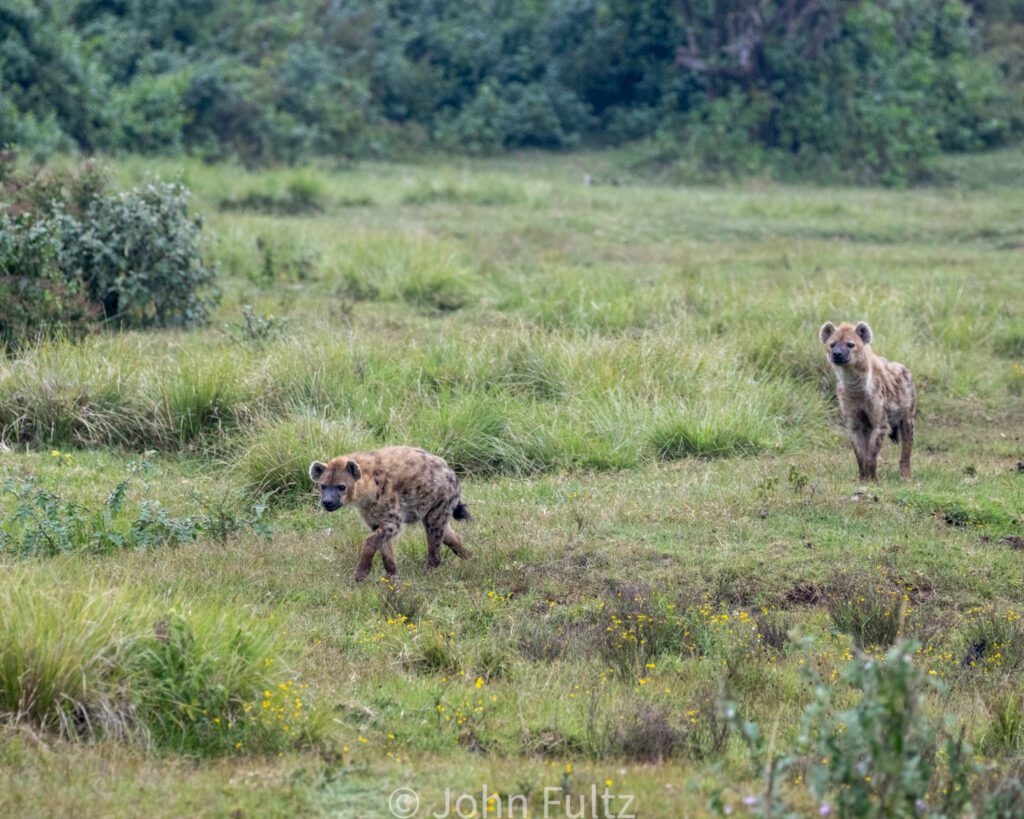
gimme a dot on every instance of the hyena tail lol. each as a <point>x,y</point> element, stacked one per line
<point>461,512</point>
<point>894,432</point>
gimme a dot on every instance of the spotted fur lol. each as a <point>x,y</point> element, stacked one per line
<point>392,487</point>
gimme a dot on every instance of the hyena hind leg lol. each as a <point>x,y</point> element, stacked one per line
<point>434,523</point>
<point>906,445</point>
<point>387,557</point>
<point>454,542</point>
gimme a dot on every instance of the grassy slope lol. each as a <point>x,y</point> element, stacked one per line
<point>598,291</point>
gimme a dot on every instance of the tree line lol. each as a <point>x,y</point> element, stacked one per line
<point>872,87</point>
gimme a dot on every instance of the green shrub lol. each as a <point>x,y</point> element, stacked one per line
<point>884,755</point>
<point>37,299</point>
<point>139,255</point>
<point>72,253</point>
<point>881,756</point>
<point>43,523</point>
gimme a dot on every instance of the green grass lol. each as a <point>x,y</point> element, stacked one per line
<point>629,380</point>
<point>83,661</point>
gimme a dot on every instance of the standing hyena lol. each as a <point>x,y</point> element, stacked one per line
<point>390,487</point>
<point>876,397</point>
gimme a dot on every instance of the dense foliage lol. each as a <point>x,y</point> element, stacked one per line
<point>872,88</point>
<point>73,254</point>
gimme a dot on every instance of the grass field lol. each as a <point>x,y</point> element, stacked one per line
<point>669,538</point>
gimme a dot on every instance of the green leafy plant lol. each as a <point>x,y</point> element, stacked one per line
<point>42,522</point>
<point>885,755</point>
<point>139,256</point>
<point>73,253</point>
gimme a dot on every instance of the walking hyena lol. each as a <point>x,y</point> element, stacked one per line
<point>875,396</point>
<point>391,487</point>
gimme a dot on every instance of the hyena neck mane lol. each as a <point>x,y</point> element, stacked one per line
<point>856,382</point>
<point>363,490</point>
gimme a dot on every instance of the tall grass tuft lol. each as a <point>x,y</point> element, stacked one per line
<point>84,394</point>
<point>204,684</point>
<point>277,454</point>
<point>477,433</point>
<point>197,397</point>
<point>506,401</point>
<point>417,270</point>
<point>865,606</point>
<point>64,654</point>
<point>83,661</point>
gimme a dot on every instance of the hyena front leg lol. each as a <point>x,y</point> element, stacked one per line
<point>859,444</point>
<point>380,541</point>
<point>874,446</point>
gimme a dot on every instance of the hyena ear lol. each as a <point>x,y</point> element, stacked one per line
<point>827,329</point>
<point>353,469</point>
<point>863,331</point>
<point>316,469</point>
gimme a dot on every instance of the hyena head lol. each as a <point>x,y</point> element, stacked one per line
<point>846,344</point>
<point>334,481</point>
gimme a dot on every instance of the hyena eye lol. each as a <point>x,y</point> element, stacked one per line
<point>849,344</point>
<point>341,488</point>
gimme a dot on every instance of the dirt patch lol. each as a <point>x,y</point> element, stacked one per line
<point>804,594</point>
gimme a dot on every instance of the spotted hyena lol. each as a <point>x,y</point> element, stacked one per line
<point>876,397</point>
<point>391,487</point>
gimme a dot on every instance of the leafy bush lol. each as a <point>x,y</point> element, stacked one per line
<point>884,756</point>
<point>139,256</point>
<point>37,298</point>
<point>71,253</point>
